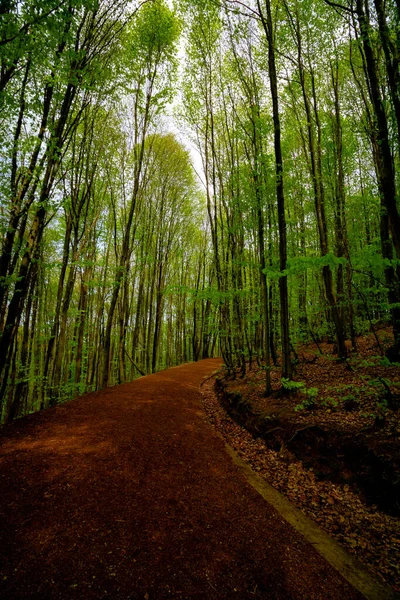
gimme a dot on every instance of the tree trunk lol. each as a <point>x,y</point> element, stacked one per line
<point>384,166</point>
<point>283,287</point>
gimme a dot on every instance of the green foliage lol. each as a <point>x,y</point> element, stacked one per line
<point>310,400</point>
<point>301,264</point>
<point>385,362</point>
<point>292,386</point>
<point>156,30</point>
<point>330,401</point>
<point>350,398</point>
<point>125,226</point>
<point>310,394</point>
<point>151,42</point>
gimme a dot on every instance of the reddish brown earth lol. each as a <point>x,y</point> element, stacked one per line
<point>337,460</point>
<point>128,493</point>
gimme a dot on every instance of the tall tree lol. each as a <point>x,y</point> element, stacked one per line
<point>153,40</point>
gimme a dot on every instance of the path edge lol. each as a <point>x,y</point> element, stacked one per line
<point>350,568</point>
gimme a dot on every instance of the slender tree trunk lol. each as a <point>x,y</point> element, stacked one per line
<point>315,155</point>
<point>283,287</point>
<point>158,317</point>
<point>342,244</point>
<point>383,161</point>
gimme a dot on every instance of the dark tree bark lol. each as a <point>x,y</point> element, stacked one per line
<point>383,160</point>
<point>283,288</point>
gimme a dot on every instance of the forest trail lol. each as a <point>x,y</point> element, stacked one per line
<point>127,493</point>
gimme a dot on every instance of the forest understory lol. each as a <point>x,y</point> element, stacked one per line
<point>330,443</point>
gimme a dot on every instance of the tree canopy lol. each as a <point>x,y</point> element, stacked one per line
<point>116,260</point>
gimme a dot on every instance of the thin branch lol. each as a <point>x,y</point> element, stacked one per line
<point>252,14</point>
<point>244,5</point>
<point>340,6</point>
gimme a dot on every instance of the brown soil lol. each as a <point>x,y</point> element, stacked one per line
<point>128,493</point>
<point>337,460</point>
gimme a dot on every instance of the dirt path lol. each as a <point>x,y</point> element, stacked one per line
<point>129,494</point>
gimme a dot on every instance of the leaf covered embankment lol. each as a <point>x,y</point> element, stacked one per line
<point>334,451</point>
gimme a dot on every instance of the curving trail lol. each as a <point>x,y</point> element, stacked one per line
<point>128,493</point>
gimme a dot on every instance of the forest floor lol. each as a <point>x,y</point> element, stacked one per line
<point>331,447</point>
<point>128,493</point>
